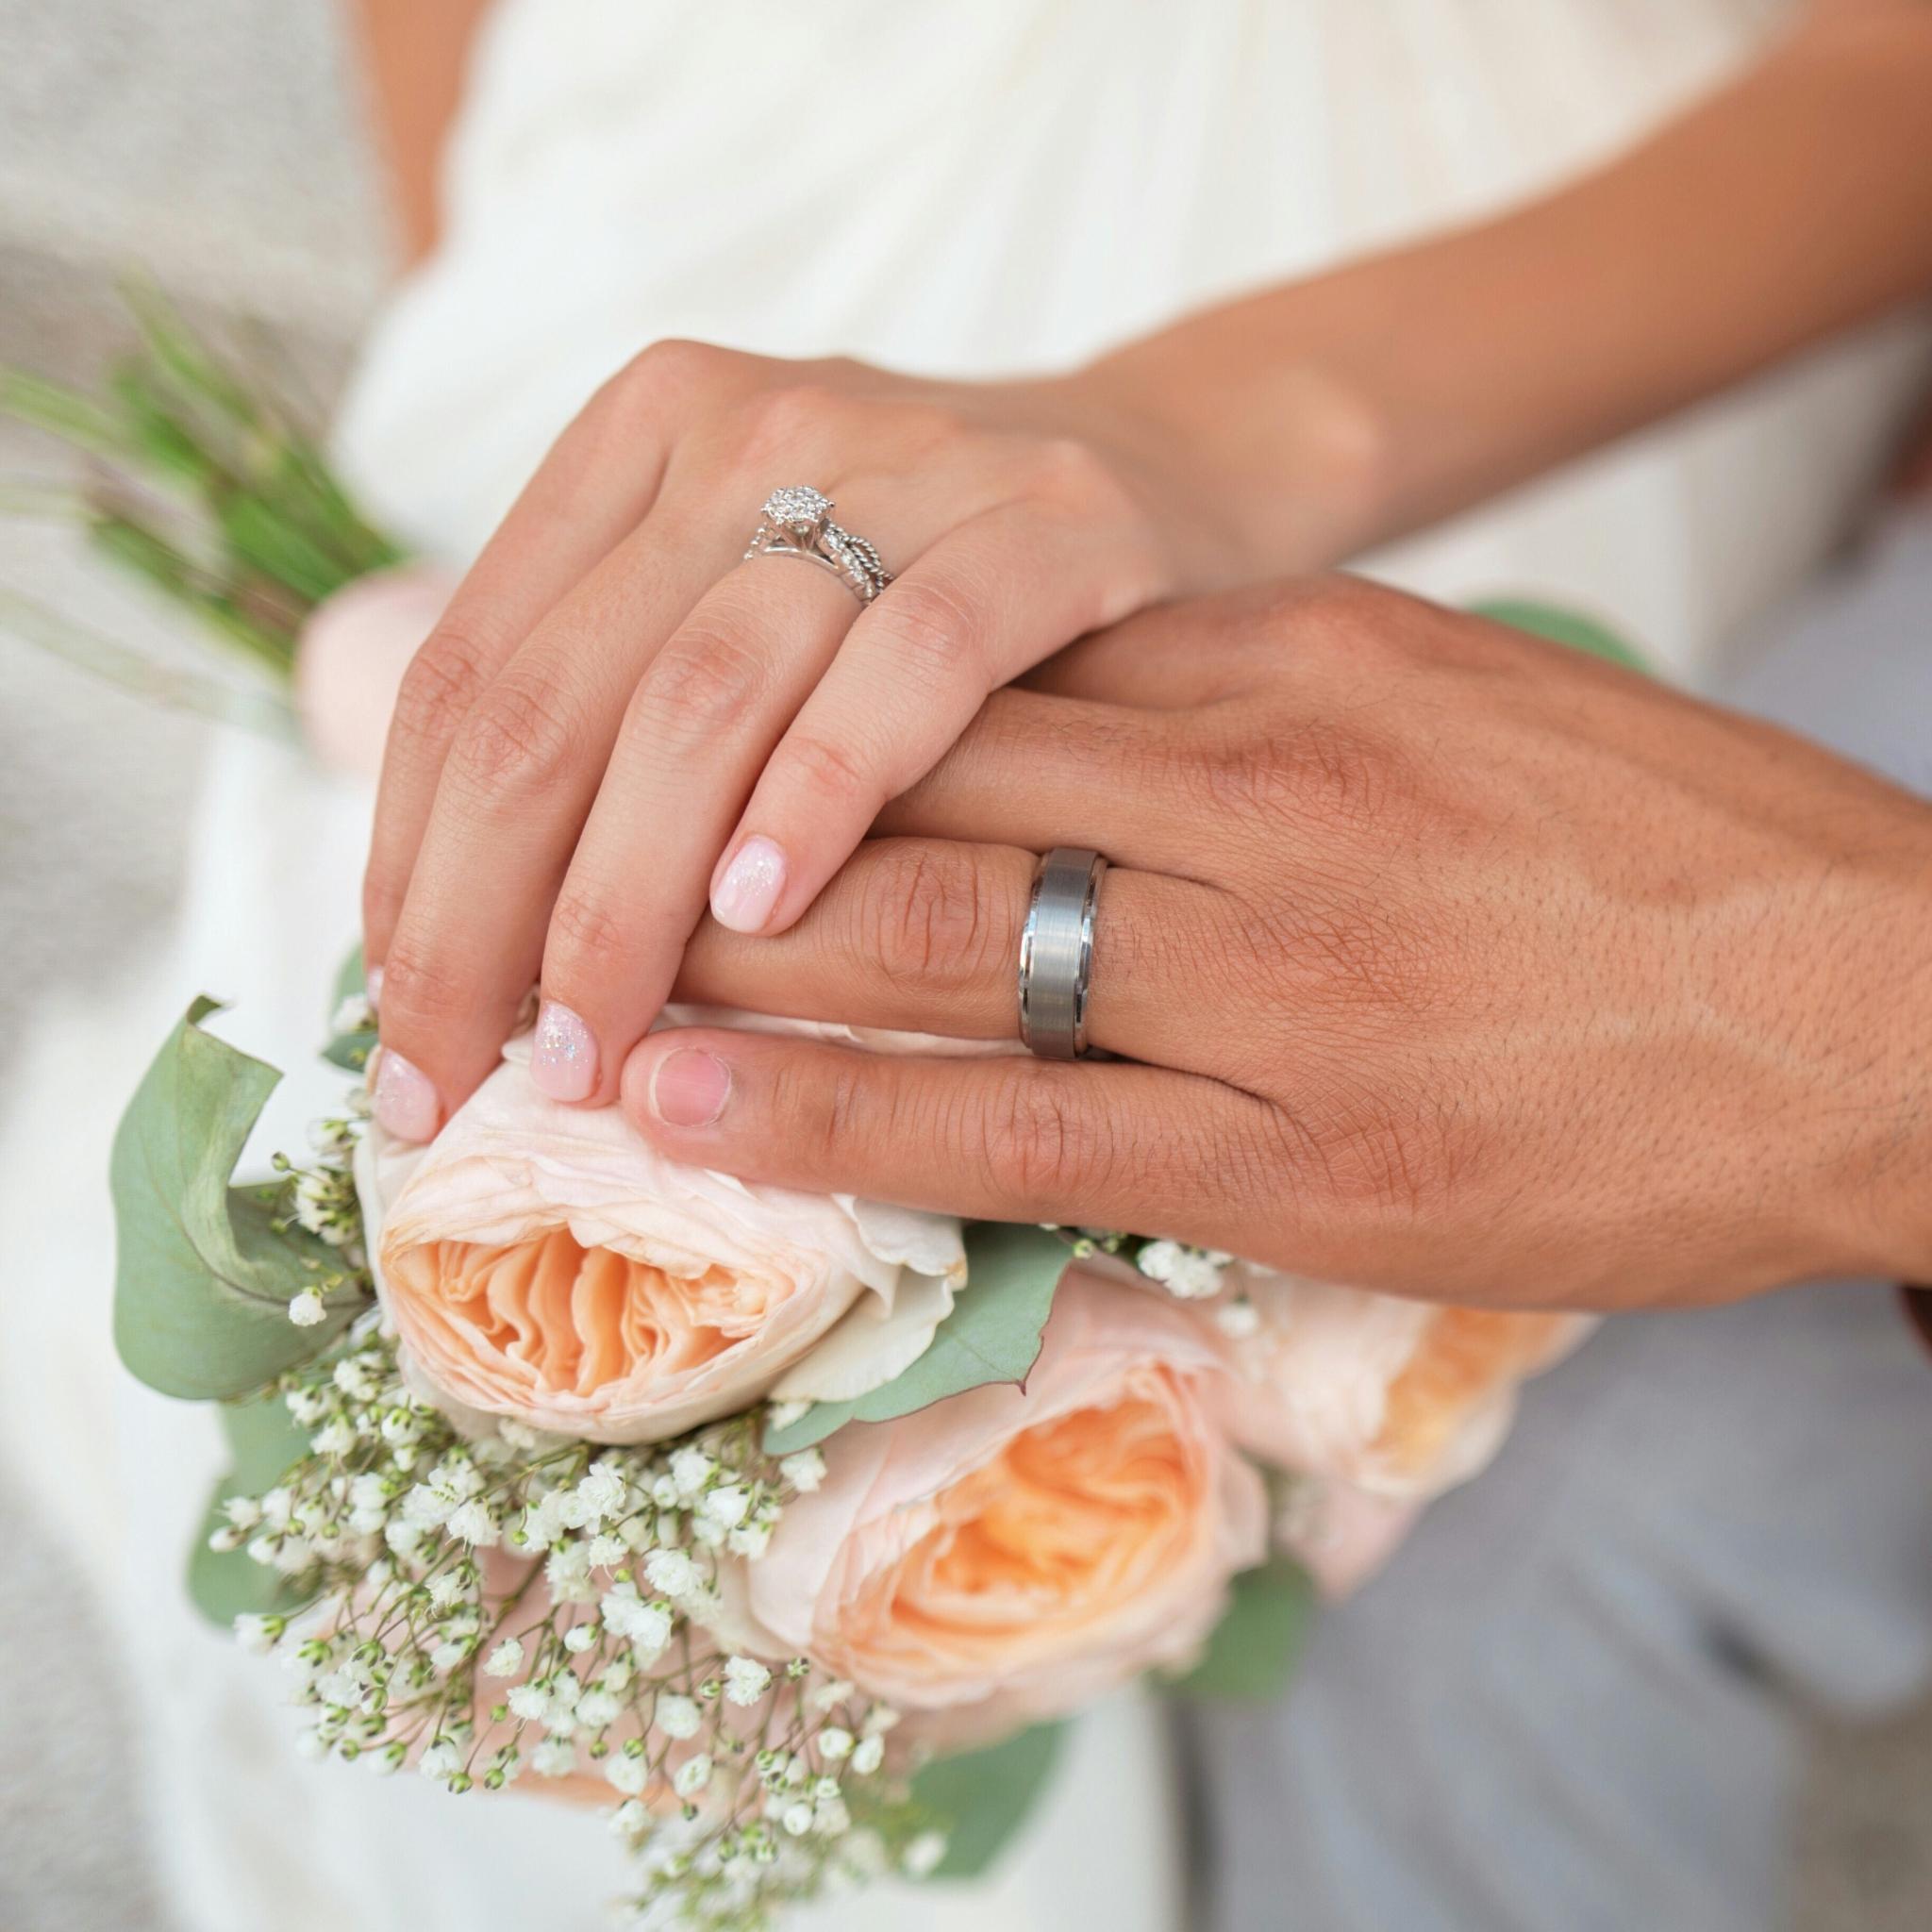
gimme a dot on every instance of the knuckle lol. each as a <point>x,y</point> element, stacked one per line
<point>1037,1145</point>
<point>835,778</point>
<point>928,914</point>
<point>1071,475</point>
<point>1396,1158</point>
<point>442,683</point>
<point>517,736</point>
<point>419,991</point>
<point>937,624</point>
<point>587,937</point>
<point>787,416</point>
<point>662,372</point>
<point>1319,773</point>
<point>701,684</point>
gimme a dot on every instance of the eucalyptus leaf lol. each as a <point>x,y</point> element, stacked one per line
<point>263,1443</point>
<point>980,1798</point>
<point>991,1334</point>
<point>203,1275</point>
<point>1252,1653</point>
<point>1560,626</point>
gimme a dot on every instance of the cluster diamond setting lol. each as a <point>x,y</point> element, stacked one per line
<point>798,509</point>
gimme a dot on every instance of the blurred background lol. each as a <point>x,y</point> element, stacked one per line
<point>219,145</point>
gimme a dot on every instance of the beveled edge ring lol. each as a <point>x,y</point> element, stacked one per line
<point>1057,953</point>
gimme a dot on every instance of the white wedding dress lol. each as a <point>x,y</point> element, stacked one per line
<point>967,188</point>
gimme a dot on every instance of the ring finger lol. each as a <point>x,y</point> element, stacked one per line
<point>923,935</point>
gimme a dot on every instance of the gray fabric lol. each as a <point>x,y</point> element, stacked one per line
<point>1571,1704</point>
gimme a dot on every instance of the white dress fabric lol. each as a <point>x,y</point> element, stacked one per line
<point>970,188</point>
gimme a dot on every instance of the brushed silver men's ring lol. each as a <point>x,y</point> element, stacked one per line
<point>1057,953</point>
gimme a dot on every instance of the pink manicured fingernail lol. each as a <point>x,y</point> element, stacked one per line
<point>405,1101</point>
<point>690,1088</point>
<point>372,988</point>
<point>564,1060</point>
<point>743,897</point>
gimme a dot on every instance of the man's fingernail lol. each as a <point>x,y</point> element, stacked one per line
<point>563,1057</point>
<point>690,1088</point>
<point>745,895</point>
<point>405,1101</point>
<point>372,988</point>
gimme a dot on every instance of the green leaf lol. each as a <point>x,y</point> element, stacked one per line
<point>264,1443</point>
<point>1253,1648</point>
<point>980,1798</point>
<point>992,1334</point>
<point>203,1278</point>
<point>1560,626</point>
<point>350,1051</point>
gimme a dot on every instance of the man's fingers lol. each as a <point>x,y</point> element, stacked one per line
<point>923,935</point>
<point>984,603</point>
<point>1040,772</point>
<point>1007,1139</point>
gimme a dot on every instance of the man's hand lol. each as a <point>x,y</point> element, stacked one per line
<point>1438,959</point>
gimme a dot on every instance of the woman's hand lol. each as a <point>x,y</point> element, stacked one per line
<point>618,716</point>
<point>1440,960</point>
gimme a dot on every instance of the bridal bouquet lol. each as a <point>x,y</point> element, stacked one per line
<point>789,1528</point>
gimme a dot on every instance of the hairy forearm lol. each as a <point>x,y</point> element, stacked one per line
<point>414,54</point>
<point>1792,204</point>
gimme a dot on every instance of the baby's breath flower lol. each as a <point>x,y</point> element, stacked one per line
<point>674,1572</point>
<point>307,1309</point>
<point>805,1471</point>
<point>745,1680</point>
<point>1187,1274</point>
<point>530,1702</point>
<point>506,1660</point>
<point>677,1717</point>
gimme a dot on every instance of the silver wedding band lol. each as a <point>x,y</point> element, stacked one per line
<point>1057,953</point>
<point>797,522</point>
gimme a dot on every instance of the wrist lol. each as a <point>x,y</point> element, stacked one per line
<point>1288,459</point>
<point>1882,1216</point>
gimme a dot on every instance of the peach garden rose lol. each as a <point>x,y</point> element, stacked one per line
<point>1010,1553</point>
<point>1400,1399</point>
<point>543,1263</point>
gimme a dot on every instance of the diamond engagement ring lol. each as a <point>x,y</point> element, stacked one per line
<point>1057,953</point>
<point>797,522</point>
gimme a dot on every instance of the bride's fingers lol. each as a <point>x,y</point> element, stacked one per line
<point>703,720</point>
<point>521,771</point>
<point>1009,1138</point>
<point>595,486</point>
<point>923,935</point>
<point>982,605</point>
